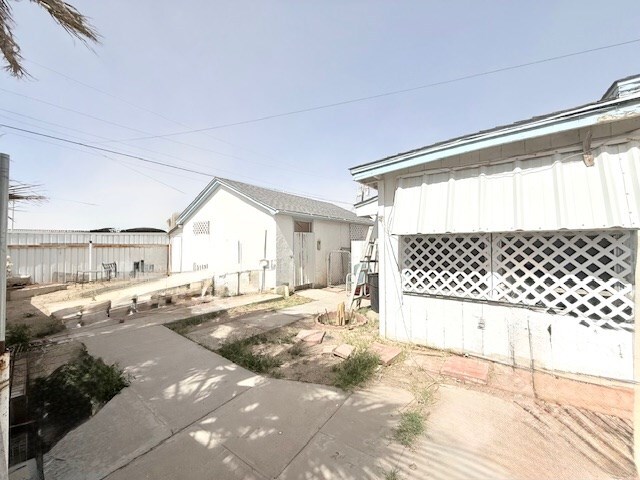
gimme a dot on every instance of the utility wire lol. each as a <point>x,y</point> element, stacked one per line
<point>107,150</point>
<point>148,135</point>
<point>144,109</point>
<point>101,155</point>
<point>390,93</point>
<point>87,133</point>
<point>142,159</point>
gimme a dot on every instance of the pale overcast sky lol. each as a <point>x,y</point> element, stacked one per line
<point>203,63</point>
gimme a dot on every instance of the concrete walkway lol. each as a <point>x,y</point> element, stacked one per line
<point>191,414</point>
<point>120,294</point>
<point>161,316</point>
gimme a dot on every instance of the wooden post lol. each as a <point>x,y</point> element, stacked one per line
<point>636,353</point>
<point>341,314</point>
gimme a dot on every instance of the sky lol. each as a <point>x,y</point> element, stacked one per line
<point>169,67</point>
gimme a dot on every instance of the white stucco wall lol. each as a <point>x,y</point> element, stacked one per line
<point>332,236</point>
<point>233,220</point>
<point>284,250</point>
<point>175,251</point>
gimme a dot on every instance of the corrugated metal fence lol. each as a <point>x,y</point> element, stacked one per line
<point>57,256</point>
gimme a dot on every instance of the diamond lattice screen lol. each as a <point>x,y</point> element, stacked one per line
<point>201,228</point>
<point>456,265</point>
<point>586,274</point>
<point>357,231</point>
<point>583,274</point>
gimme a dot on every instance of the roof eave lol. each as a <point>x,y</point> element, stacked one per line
<point>323,217</point>
<point>582,117</point>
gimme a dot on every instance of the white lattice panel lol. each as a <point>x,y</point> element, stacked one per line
<point>451,265</point>
<point>201,228</point>
<point>583,274</point>
<point>357,231</point>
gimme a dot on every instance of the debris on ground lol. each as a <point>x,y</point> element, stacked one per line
<point>466,369</point>
<point>312,337</point>
<point>386,353</point>
<point>344,351</point>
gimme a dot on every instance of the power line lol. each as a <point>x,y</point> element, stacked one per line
<point>86,133</point>
<point>142,159</point>
<point>390,93</point>
<point>143,174</point>
<point>144,109</point>
<point>148,135</point>
<point>103,156</point>
<point>107,150</point>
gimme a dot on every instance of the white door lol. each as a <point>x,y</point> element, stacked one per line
<point>304,259</point>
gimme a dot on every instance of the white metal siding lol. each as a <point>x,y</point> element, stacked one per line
<point>56,256</point>
<point>548,193</point>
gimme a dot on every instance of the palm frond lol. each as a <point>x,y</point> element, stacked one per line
<point>66,15</point>
<point>70,19</point>
<point>24,192</point>
<point>8,45</point>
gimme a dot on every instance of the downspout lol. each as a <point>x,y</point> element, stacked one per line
<point>264,264</point>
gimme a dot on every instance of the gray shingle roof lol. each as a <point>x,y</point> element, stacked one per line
<point>281,202</point>
<point>288,203</point>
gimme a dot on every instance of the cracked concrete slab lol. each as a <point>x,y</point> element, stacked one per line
<point>167,462</point>
<point>124,429</point>
<point>365,421</point>
<point>268,425</point>
<point>326,458</point>
<point>178,379</point>
<point>269,320</point>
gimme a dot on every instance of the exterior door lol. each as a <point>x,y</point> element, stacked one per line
<point>303,259</point>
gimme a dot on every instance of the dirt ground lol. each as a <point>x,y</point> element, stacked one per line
<point>601,443</point>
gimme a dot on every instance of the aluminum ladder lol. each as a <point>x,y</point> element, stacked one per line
<point>368,263</point>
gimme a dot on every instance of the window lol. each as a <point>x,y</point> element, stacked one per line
<point>201,228</point>
<point>299,226</point>
<point>583,274</point>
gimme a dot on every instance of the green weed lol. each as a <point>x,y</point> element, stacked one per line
<point>393,474</point>
<point>18,335</point>
<point>411,426</point>
<point>240,353</point>
<point>184,325</point>
<point>355,370</point>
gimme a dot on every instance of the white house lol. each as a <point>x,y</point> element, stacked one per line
<point>253,238</point>
<point>519,243</point>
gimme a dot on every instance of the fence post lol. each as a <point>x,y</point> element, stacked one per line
<point>4,355</point>
<point>90,259</point>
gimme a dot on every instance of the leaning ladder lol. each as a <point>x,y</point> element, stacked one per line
<point>363,269</point>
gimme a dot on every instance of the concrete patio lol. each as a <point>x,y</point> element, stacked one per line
<point>192,414</point>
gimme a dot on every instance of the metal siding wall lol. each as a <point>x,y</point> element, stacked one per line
<point>570,347</point>
<point>49,256</point>
<point>548,193</point>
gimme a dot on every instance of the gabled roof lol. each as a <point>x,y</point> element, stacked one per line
<point>273,201</point>
<point>621,100</point>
